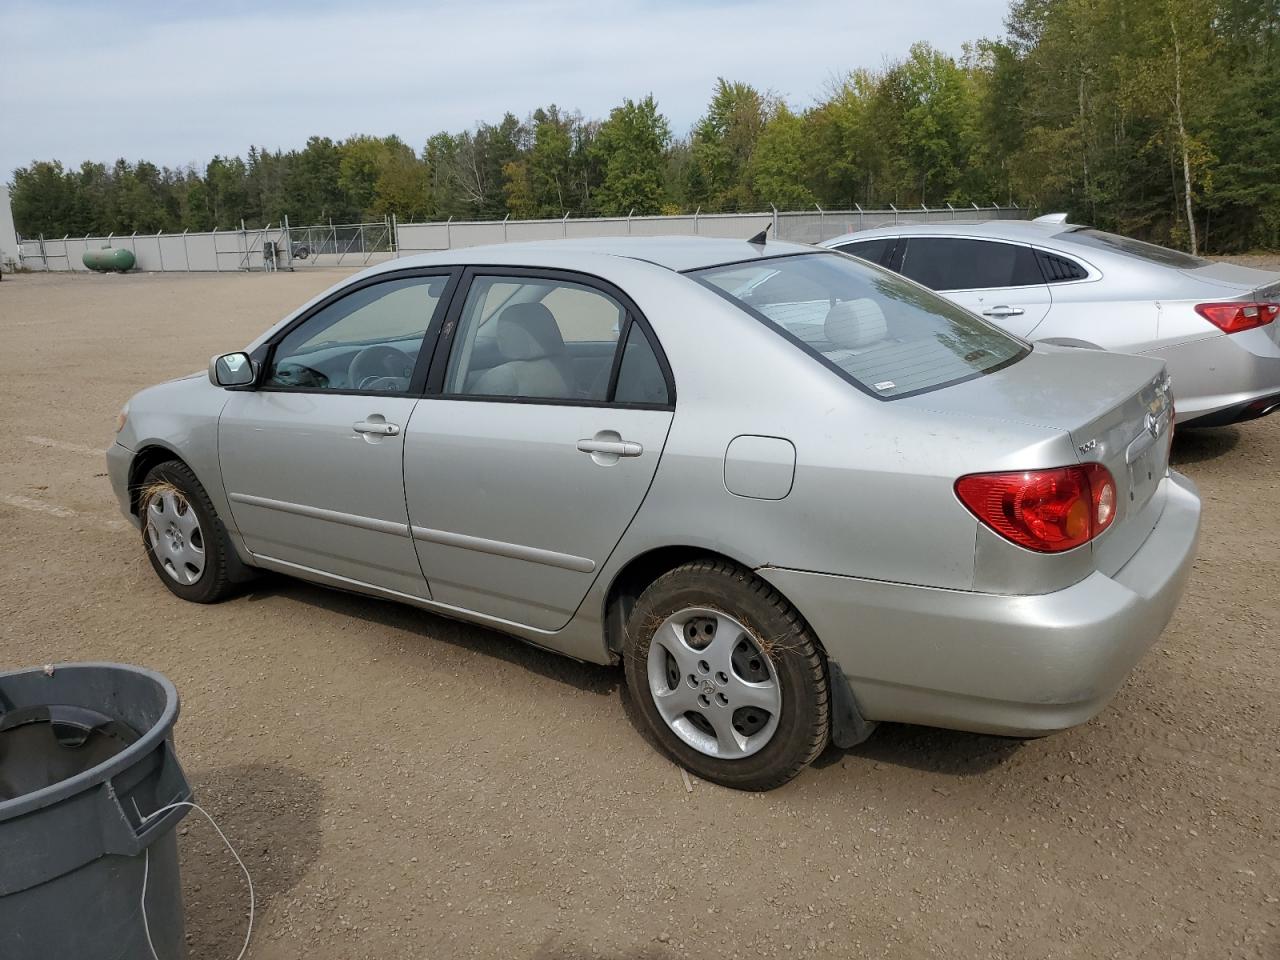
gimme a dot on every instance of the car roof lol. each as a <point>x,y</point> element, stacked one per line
<point>673,253</point>
<point>1032,231</point>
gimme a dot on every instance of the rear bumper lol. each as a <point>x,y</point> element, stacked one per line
<point>1016,665</point>
<point>1240,413</point>
<point>1225,379</point>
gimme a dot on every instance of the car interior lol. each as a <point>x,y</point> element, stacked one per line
<point>528,339</point>
<point>889,336</point>
<point>544,340</point>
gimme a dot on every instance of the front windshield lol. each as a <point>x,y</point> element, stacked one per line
<point>886,335</point>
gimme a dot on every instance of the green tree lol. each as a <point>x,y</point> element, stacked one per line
<point>1243,133</point>
<point>44,200</point>
<point>629,148</point>
<point>779,168</point>
<point>722,144</point>
<point>550,164</point>
<point>313,193</point>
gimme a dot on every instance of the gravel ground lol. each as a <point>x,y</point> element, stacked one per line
<point>404,786</point>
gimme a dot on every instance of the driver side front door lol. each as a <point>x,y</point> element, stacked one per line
<point>312,458</point>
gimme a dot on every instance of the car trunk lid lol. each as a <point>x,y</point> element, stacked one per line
<point>1117,410</point>
<point>1249,281</point>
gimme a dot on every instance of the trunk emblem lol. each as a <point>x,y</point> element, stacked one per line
<point>1153,425</point>
<point>1087,447</point>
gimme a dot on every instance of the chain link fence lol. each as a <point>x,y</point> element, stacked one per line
<point>341,244</point>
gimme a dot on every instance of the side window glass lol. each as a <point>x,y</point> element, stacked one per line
<point>944,263</point>
<point>368,340</point>
<point>873,251</point>
<point>536,339</point>
<point>640,378</point>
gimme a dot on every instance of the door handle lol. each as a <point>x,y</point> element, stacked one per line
<point>1003,311</point>
<point>614,448</point>
<point>378,427</point>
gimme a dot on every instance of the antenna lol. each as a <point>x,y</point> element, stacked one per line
<point>760,237</point>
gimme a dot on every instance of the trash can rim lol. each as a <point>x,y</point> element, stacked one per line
<point>87,779</point>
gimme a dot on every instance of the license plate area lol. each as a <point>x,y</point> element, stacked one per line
<point>1147,460</point>
<point>1144,476</point>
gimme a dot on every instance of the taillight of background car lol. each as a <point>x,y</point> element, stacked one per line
<point>1044,510</point>
<point>1236,316</point>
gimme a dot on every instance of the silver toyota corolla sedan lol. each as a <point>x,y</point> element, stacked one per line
<point>1054,282</point>
<point>795,494</point>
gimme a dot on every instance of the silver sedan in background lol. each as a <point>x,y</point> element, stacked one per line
<point>793,493</point>
<point>1213,324</point>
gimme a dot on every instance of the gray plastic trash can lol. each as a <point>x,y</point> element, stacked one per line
<point>86,755</point>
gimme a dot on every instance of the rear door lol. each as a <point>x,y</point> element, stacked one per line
<point>547,410</point>
<point>998,280</point>
<point>311,458</point>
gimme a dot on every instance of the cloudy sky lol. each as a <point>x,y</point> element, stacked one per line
<point>174,82</point>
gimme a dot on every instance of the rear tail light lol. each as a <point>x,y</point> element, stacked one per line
<point>1044,510</point>
<point>1234,317</point>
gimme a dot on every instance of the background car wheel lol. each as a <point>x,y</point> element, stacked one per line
<point>727,676</point>
<point>184,539</point>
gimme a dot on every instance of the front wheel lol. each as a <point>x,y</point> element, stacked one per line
<point>185,541</point>
<point>727,676</point>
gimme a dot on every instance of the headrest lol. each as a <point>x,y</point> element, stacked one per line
<point>854,324</point>
<point>528,331</point>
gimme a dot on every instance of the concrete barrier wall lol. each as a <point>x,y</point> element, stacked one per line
<point>800,226</point>
<point>231,250</point>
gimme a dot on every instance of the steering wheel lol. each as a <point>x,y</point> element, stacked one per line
<point>380,362</point>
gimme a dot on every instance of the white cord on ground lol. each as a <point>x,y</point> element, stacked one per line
<point>146,869</point>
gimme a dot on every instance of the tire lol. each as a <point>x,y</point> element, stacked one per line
<point>723,737</point>
<point>171,496</point>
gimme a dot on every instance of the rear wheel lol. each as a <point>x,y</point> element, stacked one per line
<point>727,676</point>
<point>185,541</point>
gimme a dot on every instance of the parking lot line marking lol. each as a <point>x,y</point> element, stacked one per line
<point>62,513</point>
<point>63,445</point>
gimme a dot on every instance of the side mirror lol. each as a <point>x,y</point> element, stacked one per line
<point>231,370</point>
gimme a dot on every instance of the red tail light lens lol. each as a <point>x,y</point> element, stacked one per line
<point>1234,317</point>
<point>1044,510</point>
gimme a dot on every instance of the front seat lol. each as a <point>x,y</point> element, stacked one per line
<point>534,363</point>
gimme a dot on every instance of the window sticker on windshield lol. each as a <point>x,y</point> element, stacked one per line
<point>885,385</point>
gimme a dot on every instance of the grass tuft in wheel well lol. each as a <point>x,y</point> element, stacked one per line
<point>142,464</point>
<point>632,580</point>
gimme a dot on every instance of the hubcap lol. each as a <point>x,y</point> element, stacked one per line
<point>174,533</point>
<point>712,683</point>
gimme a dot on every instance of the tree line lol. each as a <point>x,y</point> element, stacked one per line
<point>1156,118</point>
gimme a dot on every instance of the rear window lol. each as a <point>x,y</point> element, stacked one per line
<point>1133,248</point>
<point>888,337</point>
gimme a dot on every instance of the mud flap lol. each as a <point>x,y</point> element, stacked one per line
<point>848,726</point>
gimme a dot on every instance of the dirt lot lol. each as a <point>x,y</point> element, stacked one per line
<point>405,786</point>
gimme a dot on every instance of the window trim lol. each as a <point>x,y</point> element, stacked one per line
<point>434,385</point>
<point>834,367</point>
<point>906,248</point>
<point>430,337</point>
